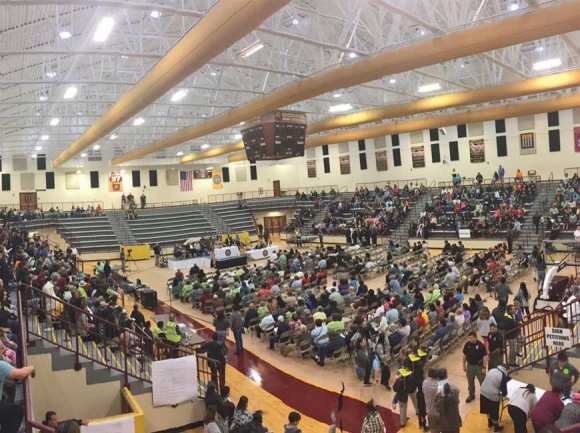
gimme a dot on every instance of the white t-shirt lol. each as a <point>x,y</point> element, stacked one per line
<point>577,235</point>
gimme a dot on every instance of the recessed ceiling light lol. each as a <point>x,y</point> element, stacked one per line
<point>204,146</point>
<point>203,115</point>
<point>96,147</point>
<point>422,32</point>
<point>462,65</point>
<point>213,73</point>
<point>104,29</point>
<point>124,57</point>
<point>70,92</point>
<point>54,121</point>
<point>209,168</point>
<point>340,107</point>
<point>33,155</point>
<point>51,74</point>
<point>83,155</point>
<point>242,123</point>
<point>429,87</point>
<point>113,136</point>
<point>38,147</point>
<point>546,64</point>
<point>392,81</point>
<point>155,14</point>
<point>337,95</point>
<point>138,121</point>
<point>78,172</point>
<point>80,113</point>
<point>514,6</point>
<point>44,137</point>
<point>238,136</point>
<point>65,35</point>
<point>295,21</point>
<point>42,98</point>
<point>179,95</point>
<point>352,55</point>
<point>540,49</point>
<point>252,49</point>
<point>179,153</point>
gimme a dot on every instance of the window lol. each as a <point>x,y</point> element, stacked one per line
<point>362,146</point>
<point>397,157</point>
<point>362,157</point>
<point>395,140</point>
<point>49,179</point>
<point>5,182</point>
<point>253,172</point>
<point>326,162</point>
<point>554,138</point>
<point>152,178</point>
<point>0,163</point>
<point>41,162</point>
<point>501,142</point>
<point>225,174</point>
<point>94,179</point>
<point>434,134</point>
<point>435,153</point>
<point>500,126</point>
<point>454,150</point>
<point>325,150</point>
<point>136,175</point>
<point>553,119</point>
<point>461,131</point>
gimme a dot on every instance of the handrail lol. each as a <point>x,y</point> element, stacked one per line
<point>472,181</point>
<point>401,183</point>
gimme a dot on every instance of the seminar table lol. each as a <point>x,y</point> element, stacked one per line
<point>189,263</point>
<point>262,253</point>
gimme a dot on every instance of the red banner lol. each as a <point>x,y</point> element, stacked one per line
<point>577,139</point>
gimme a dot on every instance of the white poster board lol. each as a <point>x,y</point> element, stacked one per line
<point>560,338</point>
<point>174,381</point>
<point>118,425</point>
<point>464,233</point>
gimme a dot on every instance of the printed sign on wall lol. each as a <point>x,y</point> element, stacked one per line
<point>527,143</point>
<point>477,150</point>
<point>344,164</point>
<point>418,156</point>
<point>115,181</point>
<point>381,159</point>
<point>577,139</point>
<point>311,167</point>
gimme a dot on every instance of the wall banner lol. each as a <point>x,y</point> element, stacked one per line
<point>115,181</point>
<point>344,164</point>
<point>381,160</point>
<point>418,156</point>
<point>477,150</point>
<point>577,139</point>
<point>527,143</point>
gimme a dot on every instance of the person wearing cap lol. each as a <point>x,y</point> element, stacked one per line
<point>282,328</point>
<point>474,363</point>
<point>493,389</point>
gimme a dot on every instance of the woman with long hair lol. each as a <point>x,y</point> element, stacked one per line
<point>447,404</point>
<point>485,319</point>
<point>241,415</point>
<point>372,422</point>
<point>524,296</point>
<point>521,403</point>
<point>209,421</point>
<point>69,426</point>
<point>382,350</point>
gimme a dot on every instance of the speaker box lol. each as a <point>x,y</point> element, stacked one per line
<point>149,298</point>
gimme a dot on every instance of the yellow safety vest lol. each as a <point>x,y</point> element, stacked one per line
<point>156,332</point>
<point>172,334</point>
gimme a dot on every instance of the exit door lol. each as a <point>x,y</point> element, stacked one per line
<point>276,185</point>
<point>28,200</point>
<point>275,225</point>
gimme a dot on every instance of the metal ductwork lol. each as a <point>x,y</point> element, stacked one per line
<point>490,35</point>
<point>226,23</point>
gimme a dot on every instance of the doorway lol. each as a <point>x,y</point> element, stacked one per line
<point>275,225</point>
<point>276,185</point>
<point>28,200</point>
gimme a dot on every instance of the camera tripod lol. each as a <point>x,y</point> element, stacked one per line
<point>128,260</point>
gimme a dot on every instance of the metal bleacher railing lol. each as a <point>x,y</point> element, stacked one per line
<point>92,339</point>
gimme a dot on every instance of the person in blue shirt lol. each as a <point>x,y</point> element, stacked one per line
<point>501,173</point>
<point>439,333</point>
<point>11,415</point>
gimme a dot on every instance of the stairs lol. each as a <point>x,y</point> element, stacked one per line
<point>401,232</point>
<point>121,228</point>
<point>215,220</point>
<point>544,192</point>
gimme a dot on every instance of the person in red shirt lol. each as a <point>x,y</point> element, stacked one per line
<point>264,291</point>
<point>548,409</point>
<point>420,321</point>
<point>204,298</point>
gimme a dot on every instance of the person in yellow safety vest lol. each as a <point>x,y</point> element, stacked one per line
<point>173,335</point>
<point>158,332</point>
<point>298,237</point>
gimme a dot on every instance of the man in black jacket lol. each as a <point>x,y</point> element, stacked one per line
<point>512,335</point>
<point>217,352</point>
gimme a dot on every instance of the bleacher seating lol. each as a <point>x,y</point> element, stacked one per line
<point>238,220</point>
<point>89,235</point>
<point>170,225</point>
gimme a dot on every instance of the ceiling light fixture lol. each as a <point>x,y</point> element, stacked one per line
<point>71,92</point>
<point>83,155</point>
<point>546,64</point>
<point>54,121</point>
<point>252,49</point>
<point>155,14</point>
<point>242,123</point>
<point>44,137</point>
<point>42,98</point>
<point>204,146</point>
<point>64,34</point>
<point>179,153</point>
<point>429,87</point>
<point>51,74</point>
<point>213,73</point>
<point>337,95</point>
<point>392,81</point>
<point>514,6</point>
<point>238,136</point>
<point>38,148</point>
<point>540,49</point>
<point>124,57</point>
<point>138,121</point>
<point>352,55</point>
<point>104,29</point>
<point>113,136</point>
<point>340,107</point>
<point>295,21</point>
<point>179,95</point>
<point>96,147</point>
<point>33,155</point>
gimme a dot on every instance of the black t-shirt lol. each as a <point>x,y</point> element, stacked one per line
<point>495,341</point>
<point>474,352</point>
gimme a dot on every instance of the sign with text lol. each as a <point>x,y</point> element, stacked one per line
<point>464,233</point>
<point>559,337</point>
<point>577,139</point>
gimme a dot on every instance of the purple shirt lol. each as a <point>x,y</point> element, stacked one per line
<point>548,410</point>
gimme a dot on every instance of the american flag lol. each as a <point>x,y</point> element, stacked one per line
<point>186,181</point>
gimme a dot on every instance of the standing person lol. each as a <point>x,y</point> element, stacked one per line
<point>157,252</point>
<point>501,173</point>
<point>509,237</point>
<point>536,220</point>
<point>221,325</point>
<point>405,388</point>
<point>447,404</point>
<point>503,291</point>
<point>372,422</point>
<point>523,296</point>
<point>260,231</point>
<point>495,349</point>
<point>382,350</point>
<point>143,200</point>
<point>122,258</point>
<point>321,238</point>
<point>107,269</point>
<point>540,270</point>
<point>237,326</point>
<point>10,414</point>
<point>267,237</point>
<point>474,363</point>
<point>563,374</point>
<point>484,322</point>
<point>493,389</point>
<point>521,403</point>
<point>216,351</point>
<point>513,334</point>
<point>548,409</point>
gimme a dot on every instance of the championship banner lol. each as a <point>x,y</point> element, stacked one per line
<point>115,181</point>
<point>527,143</point>
<point>311,167</point>
<point>344,164</point>
<point>216,177</point>
<point>477,150</point>
<point>418,156</point>
<point>577,139</point>
<point>381,160</point>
